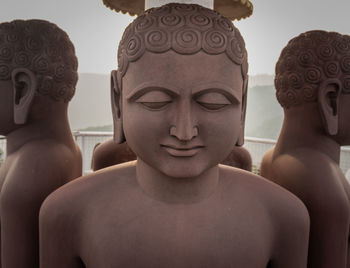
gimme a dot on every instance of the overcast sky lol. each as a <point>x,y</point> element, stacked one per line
<point>96,30</point>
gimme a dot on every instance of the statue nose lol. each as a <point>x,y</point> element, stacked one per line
<point>184,133</point>
<point>184,128</point>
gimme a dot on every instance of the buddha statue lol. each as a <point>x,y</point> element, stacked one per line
<point>178,98</point>
<point>313,85</point>
<point>239,158</point>
<point>109,153</point>
<point>38,73</point>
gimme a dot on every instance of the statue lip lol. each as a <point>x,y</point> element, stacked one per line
<point>184,151</point>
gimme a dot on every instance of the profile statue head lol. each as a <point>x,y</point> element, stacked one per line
<point>181,29</point>
<point>44,49</point>
<point>307,62</point>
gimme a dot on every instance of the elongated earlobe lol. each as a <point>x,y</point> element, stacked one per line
<point>328,102</point>
<point>240,140</point>
<point>25,84</point>
<point>116,100</point>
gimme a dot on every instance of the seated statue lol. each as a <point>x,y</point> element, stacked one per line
<point>38,74</point>
<point>109,153</point>
<point>178,97</point>
<point>239,158</point>
<point>313,85</point>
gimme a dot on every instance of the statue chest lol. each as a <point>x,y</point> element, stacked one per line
<point>173,236</point>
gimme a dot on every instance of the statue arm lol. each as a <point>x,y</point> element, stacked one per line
<point>266,163</point>
<point>58,236</point>
<point>25,189</point>
<point>313,179</point>
<point>291,248</point>
<point>329,229</point>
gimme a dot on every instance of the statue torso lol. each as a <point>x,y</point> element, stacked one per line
<point>319,182</point>
<point>123,227</point>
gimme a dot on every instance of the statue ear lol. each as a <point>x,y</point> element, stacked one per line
<point>240,140</point>
<point>328,103</point>
<point>116,98</point>
<point>25,84</point>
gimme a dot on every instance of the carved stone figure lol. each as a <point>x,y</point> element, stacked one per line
<point>313,86</point>
<point>38,73</point>
<point>110,153</point>
<point>178,97</point>
<point>239,158</point>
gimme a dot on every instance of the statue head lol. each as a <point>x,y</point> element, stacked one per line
<point>181,85</point>
<point>314,67</point>
<point>184,29</point>
<point>38,59</point>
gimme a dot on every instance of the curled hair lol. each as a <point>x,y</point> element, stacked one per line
<point>185,29</point>
<point>43,48</point>
<point>307,61</point>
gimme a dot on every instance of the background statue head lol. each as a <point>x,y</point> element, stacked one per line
<point>314,67</point>
<point>186,30</point>
<point>39,60</point>
<point>308,61</point>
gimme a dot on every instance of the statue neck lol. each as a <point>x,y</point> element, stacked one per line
<point>303,128</point>
<point>55,127</point>
<point>176,190</point>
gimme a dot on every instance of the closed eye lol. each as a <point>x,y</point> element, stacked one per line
<point>154,99</point>
<point>212,106</point>
<point>155,105</point>
<point>213,101</point>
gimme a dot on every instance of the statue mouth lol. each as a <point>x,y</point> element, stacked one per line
<point>182,151</point>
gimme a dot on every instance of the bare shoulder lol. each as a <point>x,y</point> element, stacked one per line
<point>265,166</point>
<point>301,170</point>
<point>75,197</point>
<point>47,153</point>
<point>104,154</point>
<point>69,211</point>
<point>282,204</point>
<point>314,178</point>
<point>303,160</point>
<point>36,169</point>
<point>286,219</point>
<point>106,148</point>
<point>110,153</point>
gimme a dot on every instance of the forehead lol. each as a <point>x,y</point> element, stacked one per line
<point>183,71</point>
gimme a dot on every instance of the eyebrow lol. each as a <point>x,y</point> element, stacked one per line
<point>151,86</point>
<point>234,94</point>
<point>231,93</point>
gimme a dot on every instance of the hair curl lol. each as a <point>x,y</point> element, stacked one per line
<point>184,28</point>
<point>307,61</point>
<point>43,48</point>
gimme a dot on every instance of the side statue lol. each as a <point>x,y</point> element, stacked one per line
<point>38,73</point>
<point>109,153</point>
<point>239,157</point>
<point>178,97</point>
<point>313,87</point>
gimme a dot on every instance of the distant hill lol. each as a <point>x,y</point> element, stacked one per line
<point>107,128</point>
<point>264,114</point>
<point>91,104</point>
<point>90,109</point>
